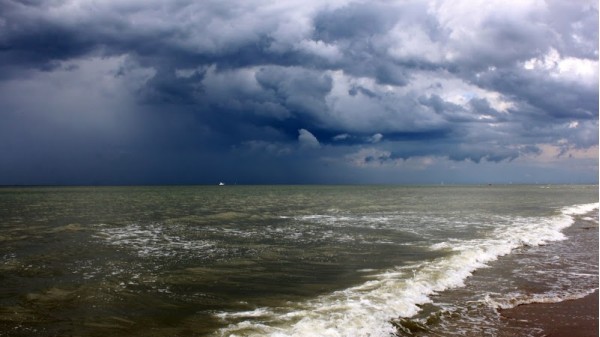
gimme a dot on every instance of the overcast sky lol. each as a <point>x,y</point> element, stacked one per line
<point>298,91</point>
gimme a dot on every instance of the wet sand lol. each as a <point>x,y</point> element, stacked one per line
<point>573,318</point>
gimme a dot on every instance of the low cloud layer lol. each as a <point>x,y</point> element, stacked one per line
<point>302,91</point>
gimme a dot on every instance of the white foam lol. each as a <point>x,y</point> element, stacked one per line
<point>580,209</point>
<point>366,310</point>
<point>513,300</point>
<point>402,222</point>
<point>260,312</point>
<point>151,240</point>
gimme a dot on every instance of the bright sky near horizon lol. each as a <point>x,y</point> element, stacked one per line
<point>298,91</point>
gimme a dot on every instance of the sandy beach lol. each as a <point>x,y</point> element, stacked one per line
<point>572,318</point>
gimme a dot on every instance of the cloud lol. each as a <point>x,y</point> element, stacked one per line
<point>471,81</point>
<point>340,137</point>
<point>307,139</point>
<point>376,138</point>
<point>370,157</point>
<point>299,89</point>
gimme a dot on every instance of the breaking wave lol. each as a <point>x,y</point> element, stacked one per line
<point>367,309</point>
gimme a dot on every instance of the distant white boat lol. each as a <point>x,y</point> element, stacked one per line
<point>221,184</point>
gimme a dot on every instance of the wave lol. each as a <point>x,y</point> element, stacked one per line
<point>514,300</point>
<point>580,209</point>
<point>367,309</point>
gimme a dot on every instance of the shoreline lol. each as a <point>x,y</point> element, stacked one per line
<point>570,318</point>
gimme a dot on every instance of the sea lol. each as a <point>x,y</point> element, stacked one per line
<point>290,260</point>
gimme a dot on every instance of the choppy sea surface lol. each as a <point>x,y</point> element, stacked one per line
<point>290,260</point>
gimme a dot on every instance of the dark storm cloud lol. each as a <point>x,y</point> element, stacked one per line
<point>477,81</point>
<point>361,31</point>
<point>298,89</point>
<point>355,20</point>
<point>556,98</point>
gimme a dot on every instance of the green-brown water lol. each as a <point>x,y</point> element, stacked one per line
<point>288,260</point>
